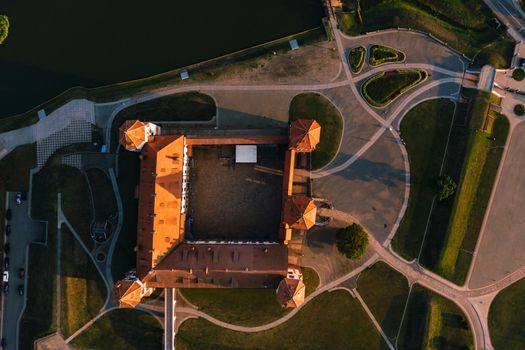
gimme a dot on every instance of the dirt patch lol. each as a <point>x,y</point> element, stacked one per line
<point>235,201</point>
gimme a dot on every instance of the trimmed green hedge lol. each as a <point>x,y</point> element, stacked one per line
<point>419,77</point>
<point>356,58</point>
<point>382,54</point>
<point>4,28</point>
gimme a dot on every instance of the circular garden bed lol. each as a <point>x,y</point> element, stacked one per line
<point>382,54</point>
<point>383,88</point>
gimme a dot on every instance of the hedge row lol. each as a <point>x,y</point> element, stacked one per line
<point>382,54</point>
<point>422,76</point>
<point>357,58</point>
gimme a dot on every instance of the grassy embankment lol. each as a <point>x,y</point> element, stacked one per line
<point>434,323</point>
<point>191,106</point>
<point>385,292</point>
<point>465,25</point>
<point>315,106</point>
<point>39,318</point>
<point>83,291</point>
<point>122,329</point>
<point>474,188</point>
<point>331,321</point>
<point>246,307</point>
<point>200,72</point>
<point>383,88</point>
<point>102,195</point>
<point>425,130</point>
<point>507,318</point>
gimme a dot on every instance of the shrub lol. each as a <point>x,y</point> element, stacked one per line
<point>383,54</point>
<point>519,109</point>
<point>445,187</point>
<point>4,28</point>
<point>352,241</point>
<point>518,74</point>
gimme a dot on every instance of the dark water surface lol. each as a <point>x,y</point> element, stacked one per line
<point>57,44</point>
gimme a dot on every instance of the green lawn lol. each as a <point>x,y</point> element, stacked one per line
<point>120,329</point>
<point>507,318</point>
<point>357,58</point>
<point>83,290</point>
<point>468,205</point>
<point>463,24</point>
<point>425,130</point>
<point>382,88</point>
<point>385,292</point>
<point>315,106</point>
<point>434,323</point>
<point>310,279</point>
<point>128,179</point>
<point>18,121</point>
<point>382,54</point>
<point>185,106</point>
<point>103,195</point>
<point>331,321</point>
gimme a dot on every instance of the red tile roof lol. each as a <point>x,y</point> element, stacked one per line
<point>305,134</point>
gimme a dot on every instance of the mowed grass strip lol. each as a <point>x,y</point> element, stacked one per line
<point>310,280</point>
<point>333,320</point>
<point>425,130</point>
<point>433,322</point>
<point>507,318</point>
<point>385,292</point>
<point>315,106</point>
<point>468,209</point>
<point>119,329</point>
<point>83,291</point>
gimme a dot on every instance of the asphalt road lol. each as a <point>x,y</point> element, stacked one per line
<point>509,13</point>
<point>23,231</point>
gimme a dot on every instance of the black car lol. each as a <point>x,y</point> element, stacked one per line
<point>21,272</point>
<point>7,230</point>
<point>6,288</point>
<point>3,342</point>
<point>7,248</point>
<point>6,263</point>
<point>20,290</point>
<point>8,214</point>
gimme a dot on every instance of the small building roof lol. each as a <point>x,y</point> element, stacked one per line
<point>299,212</point>
<point>246,154</point>
<point>133,135</point>
<point>291,292</point>
<point>305,134</point>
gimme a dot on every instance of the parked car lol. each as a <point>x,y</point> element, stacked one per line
<point>7,248</point>
<point>21,272</point>
<point>20,290</point>
<point>6,276</point>
<point>8,214</point>
<point>6,263</point>
<point>3,343</point>
<point>6,288</point>
<point>7,230</point>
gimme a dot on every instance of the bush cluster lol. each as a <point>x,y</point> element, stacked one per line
<point>518,74</point>
<point>445,187</point>
<point>357,58</point>
<point>352,241</point>
<point>4,28</point>
<point>382,54</point>
<point>519,109</point>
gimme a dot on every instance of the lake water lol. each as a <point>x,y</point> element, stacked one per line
<point>57,44</point>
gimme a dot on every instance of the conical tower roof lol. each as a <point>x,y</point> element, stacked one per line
<point>305,134</point>
<point>300,212</point>
<point>132,135</point>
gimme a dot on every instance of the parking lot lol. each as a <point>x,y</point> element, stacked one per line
<point>23,231</point>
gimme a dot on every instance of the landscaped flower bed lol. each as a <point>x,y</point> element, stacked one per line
<point>357,58</point>
<point>382,54</point>
<point>383,88</point>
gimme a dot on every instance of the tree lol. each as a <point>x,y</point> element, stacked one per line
<point>445,187</point>
<point>518,74</point>
<point>519,109</point>
<point>4,28</point>
<point>352,241</point>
